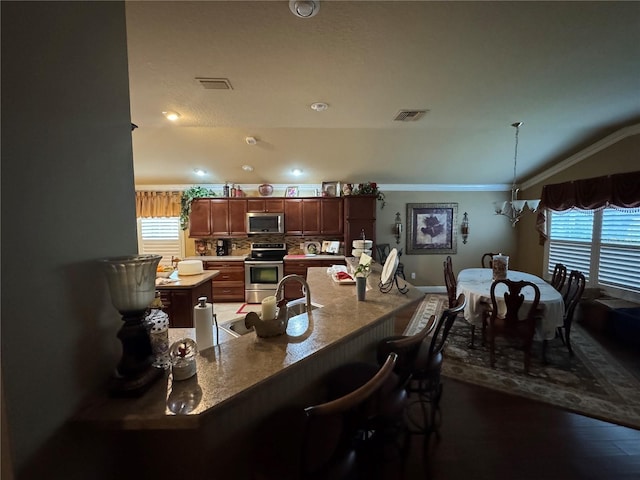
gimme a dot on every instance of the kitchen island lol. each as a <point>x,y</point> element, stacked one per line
<point>181,292</point>
<point>239,382</point>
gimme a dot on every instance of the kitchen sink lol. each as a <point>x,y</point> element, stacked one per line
<point>237,327</point>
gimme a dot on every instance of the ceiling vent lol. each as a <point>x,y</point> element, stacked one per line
<point>409,115</point>
<point>215,83</point>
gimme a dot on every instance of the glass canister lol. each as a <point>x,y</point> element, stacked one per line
<point>183,359</point>
<point>500,267</point>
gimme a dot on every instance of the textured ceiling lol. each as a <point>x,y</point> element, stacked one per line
<point>569,70</point>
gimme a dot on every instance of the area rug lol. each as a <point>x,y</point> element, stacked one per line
<point>591,382</point>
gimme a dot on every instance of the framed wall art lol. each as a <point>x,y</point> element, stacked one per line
<point>330,189</point>
<point>431,228</point>
<point>291,192</point>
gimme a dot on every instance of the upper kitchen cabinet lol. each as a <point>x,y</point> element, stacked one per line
<point>200,218</point>
<point>331,216</point>
<point>302,216</point>
<point>218,217</point>
<point>360,214</point>
<point>265,205</point>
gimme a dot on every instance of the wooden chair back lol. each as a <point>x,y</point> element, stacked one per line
<point>487,260</point>
<point>513,324</point>
<point>559,276</point>
<point>450,281</point>
<point>326,428</point>
<point>573,294</point>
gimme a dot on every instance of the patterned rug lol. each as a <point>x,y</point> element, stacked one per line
<point>591,382</point>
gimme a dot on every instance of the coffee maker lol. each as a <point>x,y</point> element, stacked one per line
<point>223,247</point>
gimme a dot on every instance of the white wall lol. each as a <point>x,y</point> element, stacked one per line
<point>67,200</point>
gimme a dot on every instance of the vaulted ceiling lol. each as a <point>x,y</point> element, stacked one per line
<point>569,70</point>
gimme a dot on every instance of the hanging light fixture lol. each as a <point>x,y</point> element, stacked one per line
<point>515,208</point>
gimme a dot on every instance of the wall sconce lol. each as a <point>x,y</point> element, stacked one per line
<point>397,227</point>
<point>464,227</point>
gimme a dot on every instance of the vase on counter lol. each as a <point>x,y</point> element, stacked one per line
<point>361,288</point>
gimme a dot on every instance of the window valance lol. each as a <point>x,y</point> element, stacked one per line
<point>158,204</point>
<point>621,190</point>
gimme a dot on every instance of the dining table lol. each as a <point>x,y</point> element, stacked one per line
<point>475,284</point>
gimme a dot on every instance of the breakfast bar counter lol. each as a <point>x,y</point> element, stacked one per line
<point>241,381</point>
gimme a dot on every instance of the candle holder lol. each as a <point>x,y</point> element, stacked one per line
<point>131,281</point>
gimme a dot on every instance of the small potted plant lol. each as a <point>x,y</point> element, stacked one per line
<point>370,188</point>
<point>361,273</point>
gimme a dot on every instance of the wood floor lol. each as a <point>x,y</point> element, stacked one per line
<point>486,434</point>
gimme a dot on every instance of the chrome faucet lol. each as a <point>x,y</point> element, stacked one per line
<point>299,279</point>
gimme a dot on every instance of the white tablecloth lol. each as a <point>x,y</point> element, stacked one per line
<point>475,283</point>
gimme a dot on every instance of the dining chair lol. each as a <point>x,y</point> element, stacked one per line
<point>316,442</point>
<point>487,260</point>
<point>451,285</point>
<point>513,325</point>
<point>559,276</point>
<point>572,296</point>
<point>421,365</point>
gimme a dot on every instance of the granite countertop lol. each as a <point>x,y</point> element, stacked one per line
<point>314,257</point>
<point>186,281</point>
<point>230,371</point>
<point>216,258</point>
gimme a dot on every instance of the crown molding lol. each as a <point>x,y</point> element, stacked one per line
<point>312,187</point>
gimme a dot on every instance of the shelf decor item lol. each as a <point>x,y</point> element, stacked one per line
<point>185,202</point>
<point>370,188</point>
<point>132,283</point>
<point>265,190</point>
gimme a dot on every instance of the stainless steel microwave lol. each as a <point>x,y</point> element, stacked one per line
<point>265,223</point>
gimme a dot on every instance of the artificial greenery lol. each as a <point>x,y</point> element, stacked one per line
<point>363,270</point>
<point>370,188</point>
<point>185,202</point>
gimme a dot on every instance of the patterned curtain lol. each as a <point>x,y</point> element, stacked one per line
<point>158,204</point>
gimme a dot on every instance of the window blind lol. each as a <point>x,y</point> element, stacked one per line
<point>160,236</point>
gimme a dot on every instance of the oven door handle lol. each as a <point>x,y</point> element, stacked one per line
<point>263,262</point>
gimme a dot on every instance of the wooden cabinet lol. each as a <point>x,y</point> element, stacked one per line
<point>228,286</point>
<point>293,290</point>
<point>313,216</point>
<point>265,205</point>
<point>360,214</point>
<point>331,216</point>
<point>218,217</point>
<point>200,218</point>
<point>237,216</point>
<point>179,303</point>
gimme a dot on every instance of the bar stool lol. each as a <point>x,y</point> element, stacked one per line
<point>316,442</point>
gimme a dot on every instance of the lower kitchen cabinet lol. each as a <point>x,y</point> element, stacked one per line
<point>228,286</point>
<point>293,290</point>
<point>179,302</point>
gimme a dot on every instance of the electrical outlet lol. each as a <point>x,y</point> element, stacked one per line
<point>413,275</point>
<point>234,246</point>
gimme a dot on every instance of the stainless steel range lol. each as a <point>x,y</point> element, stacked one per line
<point>263,270</point>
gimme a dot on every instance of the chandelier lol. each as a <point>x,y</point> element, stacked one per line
<point>515,208</point>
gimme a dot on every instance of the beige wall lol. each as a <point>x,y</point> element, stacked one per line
<point>620,157</point>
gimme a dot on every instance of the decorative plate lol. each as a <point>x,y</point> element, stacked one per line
<point>311,248</point>
<point>389,267</point>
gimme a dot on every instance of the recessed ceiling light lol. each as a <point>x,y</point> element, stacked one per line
<point>297,172</point>
<point>173,116</point>
<point>250,140</point>
<point>247,168</point>
<point>319,106</point>
<point>200,172</point>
